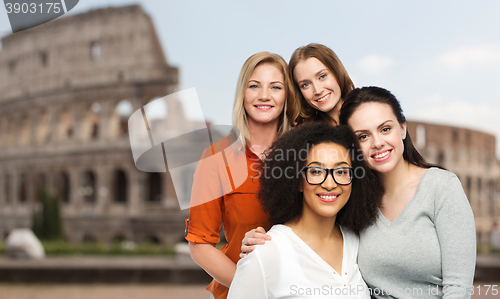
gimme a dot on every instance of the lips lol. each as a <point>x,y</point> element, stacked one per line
<point>328,196</point>
<point>381,155</point>
<point>324,98</point>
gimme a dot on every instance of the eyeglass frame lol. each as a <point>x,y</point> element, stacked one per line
<point>330,171</point>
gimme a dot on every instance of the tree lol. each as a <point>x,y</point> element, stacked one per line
<point>47,224</point>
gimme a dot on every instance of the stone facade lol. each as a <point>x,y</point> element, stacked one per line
<point>67,88</point>
<point>472,157</point>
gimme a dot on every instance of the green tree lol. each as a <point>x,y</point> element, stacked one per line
<point>47,224</point>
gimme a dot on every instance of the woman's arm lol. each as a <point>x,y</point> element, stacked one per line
<point>205,221</point>
<point>256,236</point>
<point>214,262</point>
<point>456,231</point>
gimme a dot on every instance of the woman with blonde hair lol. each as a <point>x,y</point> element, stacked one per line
<point>225,194</point>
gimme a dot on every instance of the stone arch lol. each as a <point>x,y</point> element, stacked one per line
<point>6,182</point>
<point>119,118</point>
<point>91,122</point>
<point>120,186</point>
<point>468,187</point>
<point>88,187</point>
<point>95,50</point>
<point>154,187</point>
<point>119,237</point>
<point>24,133</point>
<point>22,194</point>
<point>89,238</point>
<point>441,159</point>
<point>153,239</point>
<point>491,197</point>
<point>43,127</point>
<point>65,124</point>
<point>11,133</point>
<point>63,189</point>
<point>420,137</point>
<point>40,186</point>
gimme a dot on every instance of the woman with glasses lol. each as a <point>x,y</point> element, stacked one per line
<point>317,204</point>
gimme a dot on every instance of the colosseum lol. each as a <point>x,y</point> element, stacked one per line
<point>471,155</point>
<point>67,89</point>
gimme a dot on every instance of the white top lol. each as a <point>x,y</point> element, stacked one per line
<point>286,267</point>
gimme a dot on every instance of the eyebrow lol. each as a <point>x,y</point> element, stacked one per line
<point>321,164</point>
<point>273,82</point>
<point>380,126</point>
<point>317,73</point>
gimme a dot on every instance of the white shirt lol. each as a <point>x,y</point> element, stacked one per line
<point>286,267</point>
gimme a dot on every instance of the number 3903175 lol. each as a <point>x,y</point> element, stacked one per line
<point>33,7</point>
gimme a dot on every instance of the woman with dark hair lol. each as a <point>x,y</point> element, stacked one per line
<point>321,83</point>
<point>319,195</point>
<point>423,243</point>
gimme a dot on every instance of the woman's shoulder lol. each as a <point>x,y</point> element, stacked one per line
<point>280,238</point>
<point>272,251</point>
<point>350,237</point>
<point>437,176</point>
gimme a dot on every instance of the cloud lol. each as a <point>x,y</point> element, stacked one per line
<point>470,57</point>
<point>374,63</point>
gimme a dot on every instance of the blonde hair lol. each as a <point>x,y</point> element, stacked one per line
<point>290,110</point>
<point>326,56</point>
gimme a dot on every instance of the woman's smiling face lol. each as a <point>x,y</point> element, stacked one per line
<point>265,95</point>
<point>327,198</point>
<point>318,85</point>
<point>380,135</point>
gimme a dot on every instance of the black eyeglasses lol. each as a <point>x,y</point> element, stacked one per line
<point>316,175</point>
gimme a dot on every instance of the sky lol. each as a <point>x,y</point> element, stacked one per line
<point>440,58</point>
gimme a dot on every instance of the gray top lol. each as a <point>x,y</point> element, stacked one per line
<point>429,250</point>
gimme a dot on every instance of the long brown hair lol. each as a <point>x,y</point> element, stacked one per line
<point>326,56</point>
<point>380,95</point>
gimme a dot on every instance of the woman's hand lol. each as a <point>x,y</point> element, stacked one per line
<point>256,236</point>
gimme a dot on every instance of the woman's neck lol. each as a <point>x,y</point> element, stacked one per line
<point>262,136</point>
<point>397,178</point>
<point>313,226</point>
<point>334,114</point>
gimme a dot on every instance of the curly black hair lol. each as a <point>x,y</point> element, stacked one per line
<point>281,175</point>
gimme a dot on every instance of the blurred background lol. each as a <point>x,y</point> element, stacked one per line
<point>68,87</point>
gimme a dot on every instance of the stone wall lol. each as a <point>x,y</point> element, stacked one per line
<point>471,155</point>
<point>67,88</point>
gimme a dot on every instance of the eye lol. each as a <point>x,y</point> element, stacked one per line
<point>322,76</point>
<point>362,137</point>
<point>276,87</point>
<point>253,86</point>
<point>305,85</point>
<point>315,171</point>
<point>386,129</point>
<point>341,172</point>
